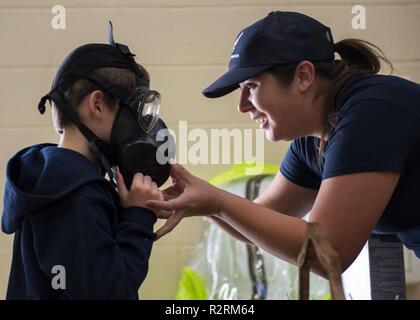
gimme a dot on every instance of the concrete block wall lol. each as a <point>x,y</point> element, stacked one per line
<point>185,45</point>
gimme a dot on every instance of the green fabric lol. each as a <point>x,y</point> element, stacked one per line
<point>243,170</point>
<point>191,286</point>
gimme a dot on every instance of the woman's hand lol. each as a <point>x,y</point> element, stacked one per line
<point>187,196</point>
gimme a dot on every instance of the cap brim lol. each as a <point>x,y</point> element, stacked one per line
<point>231,79</point>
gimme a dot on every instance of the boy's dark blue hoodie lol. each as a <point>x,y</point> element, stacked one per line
<point>65,213</point>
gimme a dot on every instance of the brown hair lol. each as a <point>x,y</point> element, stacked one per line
<point>358,57</point>
<point>82,87</point>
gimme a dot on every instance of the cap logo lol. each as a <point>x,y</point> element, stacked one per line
<point>234,46</point>
<point>329,37</point>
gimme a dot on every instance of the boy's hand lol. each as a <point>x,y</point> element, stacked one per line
<point>142,189</point>
<point>187,196</point>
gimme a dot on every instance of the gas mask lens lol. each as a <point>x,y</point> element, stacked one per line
<point>148,111</point>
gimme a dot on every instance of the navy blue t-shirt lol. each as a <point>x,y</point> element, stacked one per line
<point>377,129</point>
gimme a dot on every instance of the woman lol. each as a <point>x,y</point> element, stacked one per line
<point>355,157</point>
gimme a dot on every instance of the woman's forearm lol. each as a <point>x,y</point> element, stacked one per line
<point>228,229</point>
<point>266,228</point>
<point>232,231</point>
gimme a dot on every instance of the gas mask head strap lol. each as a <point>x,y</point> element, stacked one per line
<point>96,146</point>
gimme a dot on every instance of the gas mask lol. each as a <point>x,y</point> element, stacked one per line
<point>140,141</point>
<point>135,145</point>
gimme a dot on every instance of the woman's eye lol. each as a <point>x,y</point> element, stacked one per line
<point>251,86</point>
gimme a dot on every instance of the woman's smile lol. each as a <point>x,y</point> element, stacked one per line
<point>261,120</point>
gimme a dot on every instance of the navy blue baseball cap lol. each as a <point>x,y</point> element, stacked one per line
<point>279,38</point>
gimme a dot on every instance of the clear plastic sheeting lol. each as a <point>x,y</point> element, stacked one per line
<point>224,264</point>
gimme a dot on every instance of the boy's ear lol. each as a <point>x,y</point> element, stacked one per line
<point>96,103</point>
<point>55,115</point>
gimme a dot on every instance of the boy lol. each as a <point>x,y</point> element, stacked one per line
<point>75,236</point>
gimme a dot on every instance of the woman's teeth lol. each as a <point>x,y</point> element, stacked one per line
<point>260,119</point>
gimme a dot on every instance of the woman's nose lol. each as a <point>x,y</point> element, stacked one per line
<point>244,104</point>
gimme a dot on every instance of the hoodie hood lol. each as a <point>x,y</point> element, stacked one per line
<point>39,175</point>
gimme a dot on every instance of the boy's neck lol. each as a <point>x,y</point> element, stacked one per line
<point>72,139</point>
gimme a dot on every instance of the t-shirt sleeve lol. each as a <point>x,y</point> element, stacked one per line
<point>373,135</point>
<point>296,164</point>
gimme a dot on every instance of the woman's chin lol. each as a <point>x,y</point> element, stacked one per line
<point>269,135</point>
<point>273,136</point>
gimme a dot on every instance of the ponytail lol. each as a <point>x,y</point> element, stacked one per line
<point>358,58</point>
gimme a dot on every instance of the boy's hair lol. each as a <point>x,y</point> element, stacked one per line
<point>82,87</point>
